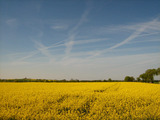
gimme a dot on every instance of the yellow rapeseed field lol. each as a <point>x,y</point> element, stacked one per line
<point>79,101</point>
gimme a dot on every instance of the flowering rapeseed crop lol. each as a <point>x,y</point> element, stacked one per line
<point>95,101</point>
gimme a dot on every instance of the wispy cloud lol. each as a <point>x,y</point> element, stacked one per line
<point>135,34</point>
<point>144,27</point>
<point>78,67</point>
<point>145,41</point>
<point>132,27</point>
<point>72,33</point>
<point>31,54</point>
<point>69,44</point>
<point>81,21</point>
<point>43,49</point>
<point>114,63</point>
<point>89,41</point>
<point>59,27</point>
<point>148,34</point>
<point>47,50</point>
<point>12,22</point>
<point>40,48</point>
<point>55,45</point>
<point>38,5</point>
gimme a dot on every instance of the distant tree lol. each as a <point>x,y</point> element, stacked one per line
<point>129,79</point>
<point>158,71</point>
<point>96,80</point>
<point>143,77</point>
<point>138,79</point>
<point>64,80</point>
<point>149,74</point>
<point>72,80</point>
<point>109,80</point>
<point>132,79</point>
<point>104,80</point>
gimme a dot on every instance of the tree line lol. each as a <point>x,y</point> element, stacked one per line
<point>148,76</point>
<point>64,80</point>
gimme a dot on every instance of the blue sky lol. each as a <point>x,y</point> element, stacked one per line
<point>79,39</point>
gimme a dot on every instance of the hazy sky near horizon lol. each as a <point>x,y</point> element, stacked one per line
<point>79,39</point>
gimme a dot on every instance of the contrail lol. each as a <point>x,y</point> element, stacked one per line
<point>72,32</point>
<point>131,37</point>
